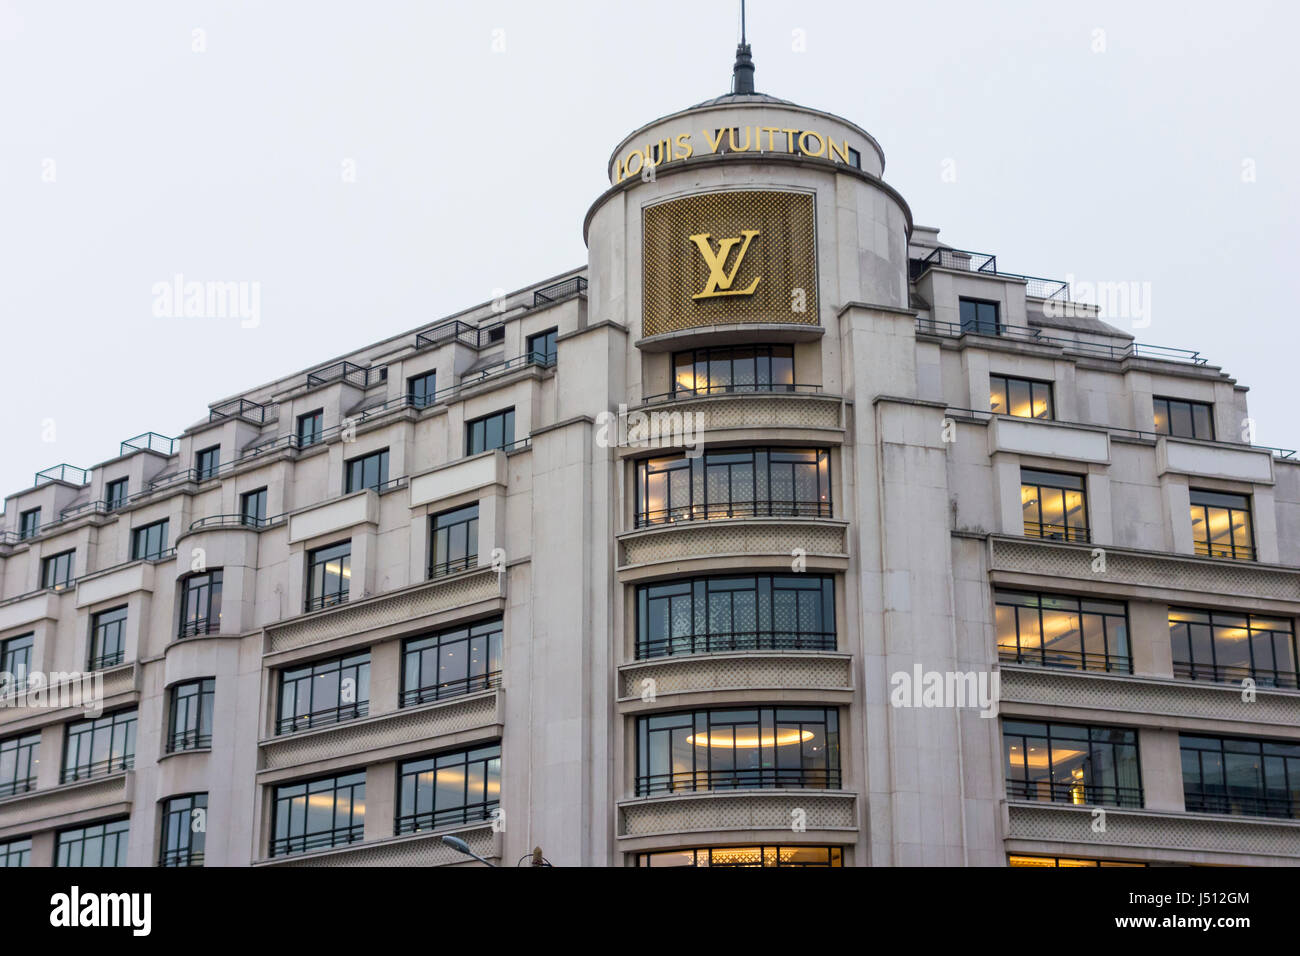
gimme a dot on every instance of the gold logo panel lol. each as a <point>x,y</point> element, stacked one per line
<point>729,257</point>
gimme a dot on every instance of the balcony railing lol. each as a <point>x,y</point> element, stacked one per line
<point>199,626</point>
<point>324,839</point>
<point>966,261</point>
<point>322,718</point>
<point>559,290</point>
<point>322,601</point>
<point>1067,660</point>
<point>779,778</point>
<point>239,408</point>
<point>1080,794</point>
<point>1278,804</point>
<point>1034,336</point>
<point>360,376</point>
<point>1233,552</point>
<point>721,642</point>
<point>1056,532</point>
<point>100,768</point>
<point>1235,674</point>
<point>453,816</point>
<point>451,688</point>
<point>441,569</point>
<point>150,441</point>
<point>11,788</point>
<point>751,388</point>
<point>772,508</point>
<point>188,740</point>
<point>67,474</point>
<point>105,661</point>
<point>237,521</point>
<point>177,858</point>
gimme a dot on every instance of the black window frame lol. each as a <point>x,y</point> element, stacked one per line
<point>355,471</point>
<point>191,712</point>
<point>29,523</point>
<point>100,834</point>
<point>10,648</point>
<point>549,352</point>
<point>481,427</point>
<point>149,542</point>
<point>284,801</point>
<point>318,564</point>
<point>707,601</point>
<point>116,493</point>
<point>446,648</point>
<point>1034,386</point>
<point>1222,500</point>
<point>1089,792</point>
<point>19,755</point>
<point>257,498</point>
<point>1182,620</point>
<point>310,428</point>
<point>1044,602</point>
<point>710,363</point>
<point>207,462</point>
<point>1040,479</point>
<point>15,852</point>
<point>1192,408</point>
<point>978,323</point>
<point>121,725</point>
<point>1262,755</point>
<point>418,787</point>
<point>308,680</point>
<point>203,589</point>
<point>179,843</point>
<point>444,529</point>
<point>56,571</point>
<point>107,630</point>
<point>422,389</point>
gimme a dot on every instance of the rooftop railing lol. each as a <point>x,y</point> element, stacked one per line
<point>966,261</point>
<point>67,474</point>
<point>151,441</point>
<point>238,408</point>
<point>359,376</point>
<point>751,388</point>
<point>559,290</point>
<point>1162,353</point>
<point>475,336</point>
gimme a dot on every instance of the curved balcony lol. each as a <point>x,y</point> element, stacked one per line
<point>714,544</point>
<point>793,677</point>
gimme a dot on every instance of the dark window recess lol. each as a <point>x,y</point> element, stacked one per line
<point>1055,505</point>
<point>29,524</point>
<point>453,541</point>
<point>492,431</point>
<point>979,317</point>
<point>1221,525</point>
<point>108,638</point>
<point>184,830</point>
<point>207,462</point>
<point>324,692</point>
<point>734,483</point>
<point>16,659</point>
<point>450,663</point>
<point>18,759</point>
<point>99,746</point>
<point>367,471</point>
<point>541,347</point>
<point>311,428</point>
<point>56,571</point>
<point>115,495</point>
<point>1242,777</point>
<point>252,508</point>
<point>189,724</point>
<point>422,389</point>
<point>15,853</point>
<point>95,844</point>
<point>201,604</point>
<point>1066,763</point>
<point>150,541</point>
<point>329,574</point>
<point>449,789</point>
<point>749,368</point>
<point>1183,419</point>
<point>318,814</point>
<point>1021,397</point>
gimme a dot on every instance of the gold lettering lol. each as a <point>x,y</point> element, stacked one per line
<point>636,153</point>
<point>720,280</point>
<point>836,153</point>
<point>684,148</point>
<point>803,144</point>
<point>731,137</point>
<point>714,143</point>
<point>789,139</point>
<point>770,131</point>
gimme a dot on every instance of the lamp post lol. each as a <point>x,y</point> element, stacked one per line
<point>460,846</point>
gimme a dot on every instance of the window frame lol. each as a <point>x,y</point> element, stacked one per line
<point>1111,662</point>
<point>318,563</point>
<point>1215,621</point>
<point>158,530</point>
<point>313,435</point>
<point>1087,793</point>
<point>15,852</point>
<point>1192,408</point>
<point>179,844</point>
<point>978,326</point>
<point>118,835</point>
<point>122,726</point>
<point>10,647</point>
<point>353,781</point>
<point>547,356</point>
<point>444,532</point>
<point>207,462</point>
<point>481,424</point>
<point>117,493</point>
<point>100,627</point>
<point>209,593</point>
<point>29,523</point>
<point>258,519</point>
<point>1038,479</point>
<point>191,717</point>
<point>429,394</point>
<point>19,755</point>
<point>1033,384</point>
<point>1199,800</point>
<point>354,666</point>
<point>1235,551</point>
<point>481,768</point>
<point>354,471</point>
<point>708,856</point>
<point>763,357</point>
<point>485,637</point>
<point>51,566</point>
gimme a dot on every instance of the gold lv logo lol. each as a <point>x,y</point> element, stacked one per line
<point>719,278</point>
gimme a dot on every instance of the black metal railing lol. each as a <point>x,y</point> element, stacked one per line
<point>1067,660</point>
<point>322,601</point>
<point>1055,532</point>
<point>65,473</point>
<point>199,626</point>
<point>150,441</point>
<point>243,408</point>
<point>178,858</point>
<point>443,568</point>
<point>105,661</point>
<point>360,376</point>
<point>750,388</point>
<point>771,508</point>
<point>1277,804</point>
<point>722,641</point>
<point>453,816</point>
<point>324,839</point>
<point>1235,674</point>
<point>100,768</point>
<point>927,326</point>
<point>1082,794</point>
<point>1237,552</point>
<point>322,718</point>
<point>183,740</point>
<point>11,788</point>
<point>452,688</point>
<point>687,781</point>
<point>559,290</point>
<point>236,521</point>
<point>966,261</point>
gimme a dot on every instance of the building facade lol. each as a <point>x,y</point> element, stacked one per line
<point>780,532</point>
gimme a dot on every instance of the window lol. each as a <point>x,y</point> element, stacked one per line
<point>16,659</point>
<point>99,746</point>
<point>1055,505</point>
<point>495,333</point>
<point>1221,525</point>
<point>422,389</point>
<point>329,571</point>
<point>107,638</point>
<point>735,483</point>
<point>56,571</point>
<point>541,347</point>
<point>491,431</point>
<point>979,317</point>
<point>29,524</point>
<point>252,508</point>
<point>747,856</point>
<point>368,471</point>
<point>855,158</point>
<point>189,721</point>
<point>150,541</point>
<point>738,749</point>
<point>1055,861</point>
<point>1254,778</point>
<point>184,830</point>
<point>454,541</point>
<point>753,612</point>
<point>207,461</point>
<point>16,853</point>
<point>116,494</point>
<point>448,663</point>
<point>311,428</point>
<point>201,604</point>
<point>1021,397</point>
<point>448,789</point>
<point>18,759</point>
<point>1183,419</point>
<point>96,844</point>
<point>1229,647</point>
<point>324,692</point>
<point>1056,630</point>
<point>751,368</point>
<point>319,814</point>
<point>1064,763</point>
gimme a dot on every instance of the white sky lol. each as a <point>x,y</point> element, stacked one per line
<point>474,170</point>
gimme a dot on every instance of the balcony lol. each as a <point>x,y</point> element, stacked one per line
<point>812,676</point>
<point>559,290</point>
<point>415,850</point>
<point>749,542</point>
<point>1074,792</point>
<point>1034,336</point>
<point>962,260</point>
<point>721,812</point>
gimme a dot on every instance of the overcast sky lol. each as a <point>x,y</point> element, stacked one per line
<point>1151,142</point>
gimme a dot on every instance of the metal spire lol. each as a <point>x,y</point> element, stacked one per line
<point>742,74</point>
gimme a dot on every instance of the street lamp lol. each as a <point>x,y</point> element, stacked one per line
<point>460,846</point>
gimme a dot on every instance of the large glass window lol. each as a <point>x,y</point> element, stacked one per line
<point>1221,525</point>
<point>448,789</point>
<point>108,638</point>
<point>452,662</point>
<point>324,692</point>
<point>150,541</point>
<point>422,389</point>
<point>207,462</point>
<point>1183,419</point>
<point>311,428</point>
<point>1055,505</point>
<point>746,856</point>
<point>1066,763</point>
<point>318,814</point>
<point>734,483</point>
<point>979,316</point>
<point>1056,630</point>
<point>329,572</point>
<point>99,746</point>
<point>748,368</point>
<point>115,495</point>
<point>368,471</point>
<point>742,748</point>
<point>744,613</point>
<point>189,725</point>
<point>252,508</point>
<point>15,659</point>
<point>184,830</point>
<point>96,844</point>
<point>201,604</point>
<point>1229,647</point>
<point>1257,778</point>
<point>541,347</point>
<point>18,759</point>
<point>56,570</point>
<point>16,853</point>
<point>1055,861</point>
<point>453,539</point>
<point>29,524</point>
<point>492,431</point>
<point>1021,397</point>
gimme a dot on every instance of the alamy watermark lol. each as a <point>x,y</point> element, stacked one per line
<point>192,299</point>
<point>58,689</point>
<point>935,689</point>
<point>651,429</point>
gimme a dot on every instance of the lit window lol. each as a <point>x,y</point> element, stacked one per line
<point>746,856</point>
<point>1055,861</point>
<point>1221,525</point>
<point>329,574</point>
<point>452,662</point>
<point>1020,397</point>
<point>324,692</point>
<point>1054,630</point>
<point>1256,778</point>
<point>1183,419</point>
<point>1065,763</point>
<point>734,483</point>
<point>753,368</point>
<point>1055,505</point>
<point>1228,647</point>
